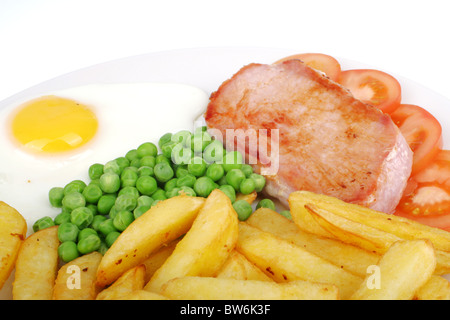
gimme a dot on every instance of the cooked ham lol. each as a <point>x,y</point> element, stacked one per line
<point>329,142</point>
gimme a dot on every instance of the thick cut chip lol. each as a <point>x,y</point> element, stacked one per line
<point>36,266</point>
<point>163,223</point>
<point>205,247</point>
<point>238,267</point>
<point>130,281</point>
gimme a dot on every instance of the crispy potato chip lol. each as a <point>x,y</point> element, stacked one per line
<point>250,198</point>
<point>129,282</point>
<point>205,247</point>
<point>238,267</point>
<point>283,261</point>
<point>208,288</point>
<point>163,223</point>
<point>13,230</point>
<point>156,259</point>
<point>402,270</point>
<point>36,266</point>
<point>401,227</point>
<point>349,257</point>
<point>76,279</point>
<point>436,288</point>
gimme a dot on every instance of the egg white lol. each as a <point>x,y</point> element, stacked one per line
<point>128,115</point>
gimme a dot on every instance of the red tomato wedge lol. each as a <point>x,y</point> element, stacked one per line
<point>427,197</point>
<point>373,87</point>
<point>319,61</point>
<point>422,132</point>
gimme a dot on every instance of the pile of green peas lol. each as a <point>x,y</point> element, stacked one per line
<point>94,214</point>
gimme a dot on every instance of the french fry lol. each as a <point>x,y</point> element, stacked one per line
<point>349,257</point>
<point>250,198</point>
<point>208,288</point>
<point>401,227</point>
<point>366,237</point>
<point>284,261</point>
<point>436,288</point>
<point>157,259</point>
<point>205,247</point>
<point>76,279</point>
<point>132,280</point>
<point>238,267</point>
<point>402,270</point>
<point>13,230</point>
<point>143,295</point>
<point>36,266</point>
<point>163,223</point>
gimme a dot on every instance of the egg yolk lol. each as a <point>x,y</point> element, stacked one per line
<point>52,124</point>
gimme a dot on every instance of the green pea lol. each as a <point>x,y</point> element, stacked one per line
<point>98,219</point>
<point>110,182</point>
<point>181,171</point>
<point>229,191</point>
<point>286,213</point>
<point>187,180</point>
<point>132,191</point>
<point>169,185</point>
<point>187,191</point>
<point>113,212</point>
<point>123,219</point>
<point>163,172</point>
<point>160,158</point>
<point>125,202</point>
<point>105,203</point>
<point>103,247</point>
<point>112,166</point>
<point>93,208</point>
<point>204,186</point>
<point>222,181</point>
<point>106,227</point>
<point>136,163</point>
<point>199,141</point>
<point>148,161</point>
<point>111,237</point>
<point>95,171</point>
<point>89,244</point>
<point>215,171</point>
<point>82,217</point>
<point>68,251</point>
<point>214,152</point>
<point>42,223</point>
<point>181,155</point>
<point>168,147</point>
<point>55,196</point>
<point>146,185</point>
<point>140,210</point>
<point>156,202</point>
<point>73,200</point>
<point>144,201</point>
<point>181,137</point>
<point>266,203</point>
<point>147,149</point>
<point>145,171</point>
<point>74,186</point>
<point>159,194</point>
<point>173,192</point>
<point>234,178</point>
<point>247,170</point>
<point>243,209</point>
<point>61,218</point>
<point>232,160</point>
<point>132,155</point>
<point>68,232</point>
<point>247,186</point>
<point>197,167</point>
<point>85,233</point>
<point>260,181</point>
<point>122,162</point>
<point>128,177</point>
<point>164,138</point>
<point>92,193</point>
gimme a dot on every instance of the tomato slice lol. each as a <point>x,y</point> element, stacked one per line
<point>373,87</point>
<point>319,61</point>
<point>427,196</point>
<point>422,132</point>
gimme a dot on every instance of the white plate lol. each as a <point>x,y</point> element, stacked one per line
<point>207,68</point>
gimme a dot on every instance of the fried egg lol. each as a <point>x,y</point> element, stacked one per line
<point>52,139</point>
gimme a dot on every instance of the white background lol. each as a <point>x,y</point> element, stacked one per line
<point>42,39</point>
